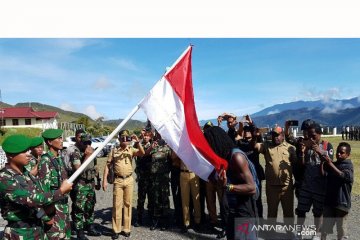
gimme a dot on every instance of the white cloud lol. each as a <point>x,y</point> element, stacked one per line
<point>333,107</point>
<point>67,107</point>
<point>71,44</point>
<point>91,112</point>
<point>30,67</point>
<point>124,63</point>
<point>323,95</point>
<point>273,112</point>
<point>64,47</point>
<point>102,83</point>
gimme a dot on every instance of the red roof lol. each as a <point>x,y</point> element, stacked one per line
<point>25,112</point>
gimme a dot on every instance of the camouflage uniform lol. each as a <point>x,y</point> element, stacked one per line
<point>52,173</point>
<point>160,192</point>
<point>31,164</point>
<point>83,194</point>
<point>142,170</point>
<point>20,201</point>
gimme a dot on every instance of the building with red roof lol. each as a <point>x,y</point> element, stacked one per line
<point>27,117</point>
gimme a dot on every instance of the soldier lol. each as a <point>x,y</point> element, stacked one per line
<point>37,150</point>
<point>21,198</point>
<point>51,173</point>
<point>83,195</point>
<point>3,160</point>
<point>160,190</point>
<point>142,170</point>
<point>124,182</point>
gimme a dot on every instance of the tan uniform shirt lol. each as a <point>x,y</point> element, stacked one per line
<point>279,160</point>
<point>123,160</point>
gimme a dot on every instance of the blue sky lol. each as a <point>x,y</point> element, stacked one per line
<point>108,77</point>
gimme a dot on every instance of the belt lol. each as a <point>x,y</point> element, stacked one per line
<point>84,180</point>
<point>186,171</point>
<point>63,201</point>
<point>123,177</point>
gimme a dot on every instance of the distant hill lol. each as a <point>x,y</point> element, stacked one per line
<point>69,116</point>
<point>64,116</point>
<point>333,113</point>
<point>346,103</point>
<point>131,124</point>
<point>2,104</point>
<point>349,116</point>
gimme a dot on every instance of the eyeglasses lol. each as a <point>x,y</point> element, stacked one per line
<point>341,153</point>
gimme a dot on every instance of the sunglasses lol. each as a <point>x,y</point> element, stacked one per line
<point>125,139</point>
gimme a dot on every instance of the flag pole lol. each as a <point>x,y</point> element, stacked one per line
<point>102,145</point>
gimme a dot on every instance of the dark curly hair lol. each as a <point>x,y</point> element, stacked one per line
<point>219,141</point>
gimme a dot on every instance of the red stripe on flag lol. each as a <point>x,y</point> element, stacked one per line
<point>180,78</point>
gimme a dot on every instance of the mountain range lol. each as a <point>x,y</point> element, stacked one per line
<point>328,113</point>
<point>333,113</point>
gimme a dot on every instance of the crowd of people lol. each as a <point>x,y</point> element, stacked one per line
<point>34,190</point>
<point>351,133</point>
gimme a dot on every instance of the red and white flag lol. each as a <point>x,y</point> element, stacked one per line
<point>171,109</point>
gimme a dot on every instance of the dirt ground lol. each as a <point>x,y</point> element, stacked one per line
<point>103,221</point>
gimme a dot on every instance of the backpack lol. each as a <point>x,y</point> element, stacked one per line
<point>252,170</point>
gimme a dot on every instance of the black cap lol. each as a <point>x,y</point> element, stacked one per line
<point>306,124</point>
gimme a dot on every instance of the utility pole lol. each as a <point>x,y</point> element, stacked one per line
<point>2,114</point>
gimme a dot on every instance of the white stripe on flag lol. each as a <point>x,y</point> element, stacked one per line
<point>166,112</point>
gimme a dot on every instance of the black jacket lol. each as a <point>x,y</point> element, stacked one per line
<point>338,193</point>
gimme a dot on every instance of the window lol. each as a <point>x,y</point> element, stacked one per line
<point>27,121</point>
<point>2,122</point>
<point>15,122</point>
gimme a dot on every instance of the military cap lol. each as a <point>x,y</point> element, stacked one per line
<point>36,141</point>
<point>16,143</point>
<point>124,133</point>
<point>52,133</point>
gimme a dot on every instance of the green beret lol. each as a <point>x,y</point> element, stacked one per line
<point>16,143</point>
<point>36,141</point>
<point>52,133</point>
<point>124,133</point>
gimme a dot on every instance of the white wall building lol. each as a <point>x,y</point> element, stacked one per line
<point>24,117</point>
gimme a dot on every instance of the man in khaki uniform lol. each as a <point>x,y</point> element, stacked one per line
<point>124,182</point>
<point>189,183</point>
<point>279,157</point>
